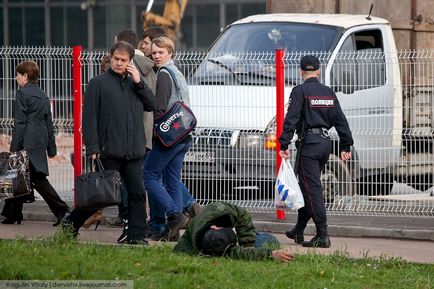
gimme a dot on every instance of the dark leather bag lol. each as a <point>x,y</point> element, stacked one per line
<point>99,189</point>
<point>177,122</point>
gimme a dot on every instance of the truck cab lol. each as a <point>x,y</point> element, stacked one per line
<point>233,95</point>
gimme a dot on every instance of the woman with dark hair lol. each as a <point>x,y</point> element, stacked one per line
<point>33,132</point>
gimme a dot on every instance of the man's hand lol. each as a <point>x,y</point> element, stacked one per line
<point>282,255</point>
<point>285,154</point>
<point>132,70</point>
<point>94,156</point>
<point>345,156</point>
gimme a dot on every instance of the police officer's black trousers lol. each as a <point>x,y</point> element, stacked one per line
<point>313,158</point>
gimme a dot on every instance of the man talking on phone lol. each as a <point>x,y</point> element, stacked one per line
<point>113,132</point>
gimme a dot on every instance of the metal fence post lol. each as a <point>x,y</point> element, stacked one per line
<point>280,93</point>
<point>77,82</point>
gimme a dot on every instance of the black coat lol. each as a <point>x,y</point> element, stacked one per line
<point>33,129</point>
<point>113,116</point>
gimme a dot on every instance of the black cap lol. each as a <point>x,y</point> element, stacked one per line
<point>309,63</point>
<point>215,242</point>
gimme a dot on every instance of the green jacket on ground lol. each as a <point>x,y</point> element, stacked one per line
<point>233,216</point>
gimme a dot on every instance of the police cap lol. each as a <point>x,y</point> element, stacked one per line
<point>309,63</point>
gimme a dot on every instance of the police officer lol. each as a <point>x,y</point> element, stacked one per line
<point>312,111</point>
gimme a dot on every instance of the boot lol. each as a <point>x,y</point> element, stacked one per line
<point>321,240</point>
<point>296,235</point>
<point>318,242</point>
<point>175,222</point>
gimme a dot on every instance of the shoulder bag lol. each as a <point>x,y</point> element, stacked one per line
<point>177,122</point>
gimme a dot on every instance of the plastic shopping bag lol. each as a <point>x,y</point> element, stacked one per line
<point>287,191</point>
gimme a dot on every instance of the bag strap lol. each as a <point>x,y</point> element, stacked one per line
<point>99,164</point>
<point>175,82</point>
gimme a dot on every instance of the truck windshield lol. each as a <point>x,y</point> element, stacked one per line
<point>267,36</point>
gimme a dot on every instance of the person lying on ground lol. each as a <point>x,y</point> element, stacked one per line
<point>224,229</point>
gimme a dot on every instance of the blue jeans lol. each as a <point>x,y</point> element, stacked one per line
<point>165,164</point>
<point>262,239</point>
<point>157,215</point>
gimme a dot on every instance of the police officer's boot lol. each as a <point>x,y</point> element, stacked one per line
<point>296,234</point>
<point>321,240</point>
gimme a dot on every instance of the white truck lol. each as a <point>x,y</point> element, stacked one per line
<point>233,95</point>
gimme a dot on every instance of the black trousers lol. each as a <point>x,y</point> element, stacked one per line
<point>13,208</point>
<point>131,173</point>
<point>313,158</point>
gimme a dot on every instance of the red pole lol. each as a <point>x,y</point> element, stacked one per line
<point>76,82</point>
<point>280,106</point>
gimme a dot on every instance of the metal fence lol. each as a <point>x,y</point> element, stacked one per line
<point>234,98</point>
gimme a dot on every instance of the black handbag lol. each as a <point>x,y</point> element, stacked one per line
<point>99,189</point>
<point>14,175</point>
<point>176,123</point>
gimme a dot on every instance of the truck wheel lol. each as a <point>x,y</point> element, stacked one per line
<point>336,180</point>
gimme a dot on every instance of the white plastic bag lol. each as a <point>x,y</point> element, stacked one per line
<point>287,191</point>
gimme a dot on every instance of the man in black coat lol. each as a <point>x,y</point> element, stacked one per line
<point>113,131</point>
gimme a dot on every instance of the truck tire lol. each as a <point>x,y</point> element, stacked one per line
<point>336,180</point>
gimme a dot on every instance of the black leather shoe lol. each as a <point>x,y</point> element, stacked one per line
<point>296,235</point>
<point>318,242</point>
<point>123,237</point>
<point>142,242</point>
<point>11,221</point>
<point>59,217</point>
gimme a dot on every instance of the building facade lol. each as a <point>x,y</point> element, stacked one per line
<point>94,23</point>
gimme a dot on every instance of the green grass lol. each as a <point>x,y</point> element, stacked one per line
<point>157,267</point>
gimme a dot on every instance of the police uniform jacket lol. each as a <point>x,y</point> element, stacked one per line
<point>33,126</point>
<point>225,215</point>
<point>319,107</point>
<point>113,116</point>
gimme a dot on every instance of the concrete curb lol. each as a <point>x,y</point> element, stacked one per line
<point>352,231</point>
<point>342,226</point>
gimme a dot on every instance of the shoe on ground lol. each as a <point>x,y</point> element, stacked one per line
<point>296,235</point>
<point>123,237</point>
<point>318,242</point>
<point>67,228</point>
<point>175,222</point>
<point>142,242</point>
<point>159,236</point>
<point>194,209</point>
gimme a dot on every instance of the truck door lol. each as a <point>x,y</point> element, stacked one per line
<point>358,73</point>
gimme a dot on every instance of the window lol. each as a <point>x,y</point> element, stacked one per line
<point>360,63</point>
<point>26,26</point>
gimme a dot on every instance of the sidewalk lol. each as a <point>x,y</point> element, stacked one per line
<point>409,238</point>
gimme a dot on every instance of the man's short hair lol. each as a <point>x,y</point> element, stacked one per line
<point>154,32</point>
<point>123,46</point>
<point>309,63</point>
<point>164,42</point>
<point>216,242</point>
<point>128,36</point>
